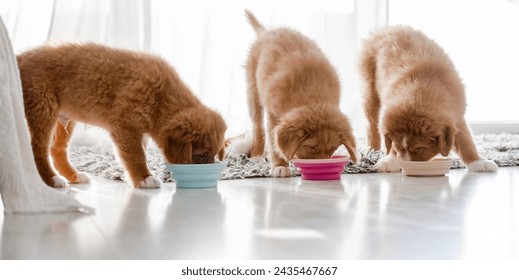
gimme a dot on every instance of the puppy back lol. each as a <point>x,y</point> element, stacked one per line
<point>254,22</point>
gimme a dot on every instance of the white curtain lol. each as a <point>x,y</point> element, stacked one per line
<point>206,41</point>
<point>27,21</point>
<point>482,39</point>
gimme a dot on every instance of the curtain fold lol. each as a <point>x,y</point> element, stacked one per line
<point>21,187</point>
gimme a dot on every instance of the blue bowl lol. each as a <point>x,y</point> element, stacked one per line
<point>196,175</point>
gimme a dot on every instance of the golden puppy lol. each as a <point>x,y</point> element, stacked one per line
<point>291,79</point>
<point>129,94</point>
<point>414,80</point>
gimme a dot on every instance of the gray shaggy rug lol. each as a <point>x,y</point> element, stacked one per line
<point>503,149</point>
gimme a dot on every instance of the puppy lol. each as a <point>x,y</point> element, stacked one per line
<point>414,80</point>
<point>127,93</point>
<point>294,83</point>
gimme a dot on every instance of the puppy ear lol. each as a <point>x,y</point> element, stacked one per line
<point>445,140</point>
<point>287,140</point>
<point>349,142</point>
<point>178,149</point>
<point>221,154</point>
<point>388,142</point>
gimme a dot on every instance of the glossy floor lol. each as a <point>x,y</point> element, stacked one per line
<point>365,216</point>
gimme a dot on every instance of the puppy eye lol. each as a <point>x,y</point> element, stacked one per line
<point>419,150</point>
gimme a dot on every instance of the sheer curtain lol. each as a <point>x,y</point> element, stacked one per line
<point>27,21</point>
<point>206,41</point>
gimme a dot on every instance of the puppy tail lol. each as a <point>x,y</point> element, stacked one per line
<point>253,21</point>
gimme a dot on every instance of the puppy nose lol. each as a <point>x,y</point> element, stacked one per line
<point>317,156</point>
<point>419,158</point>
<point>202,158</point>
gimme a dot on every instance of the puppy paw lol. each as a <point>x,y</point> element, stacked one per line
<point>80,178</point>
<point>59,182</point>
<point>387,164</point>
<point>483,165</point>
<point>281,171</point>
<point>83,177</point>
<point>150,183</point>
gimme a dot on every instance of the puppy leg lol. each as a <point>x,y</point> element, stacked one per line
<point>131,152</point>
<point>372,109</point>
<point>59,153</point>
<point>388,163</point>
<point>256,115</point>
<point>41,120</point>
<point>468,153</point>
<point>371,98</point>
<point>279,167</point>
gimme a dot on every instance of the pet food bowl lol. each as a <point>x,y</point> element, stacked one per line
<point>433,167</point>
<point>196,175</point>
<point>321,169</point>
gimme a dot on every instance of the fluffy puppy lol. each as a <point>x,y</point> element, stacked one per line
<point>291,80</point>
<point>423,100</point>
<point>127,93</point>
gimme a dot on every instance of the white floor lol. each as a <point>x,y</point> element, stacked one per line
<point>365,216</point>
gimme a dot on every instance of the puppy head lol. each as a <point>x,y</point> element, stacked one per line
<point>313,133</point>
<point>194,135</point>
<point>417,136</point>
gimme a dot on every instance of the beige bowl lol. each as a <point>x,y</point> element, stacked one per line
<point>433,167</point>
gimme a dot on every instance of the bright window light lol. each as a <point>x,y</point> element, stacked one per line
<point>481,37</point>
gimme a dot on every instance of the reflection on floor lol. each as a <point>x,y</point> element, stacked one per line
<point>364,216</point>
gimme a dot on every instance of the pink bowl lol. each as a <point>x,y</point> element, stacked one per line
<point>321,169</point>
